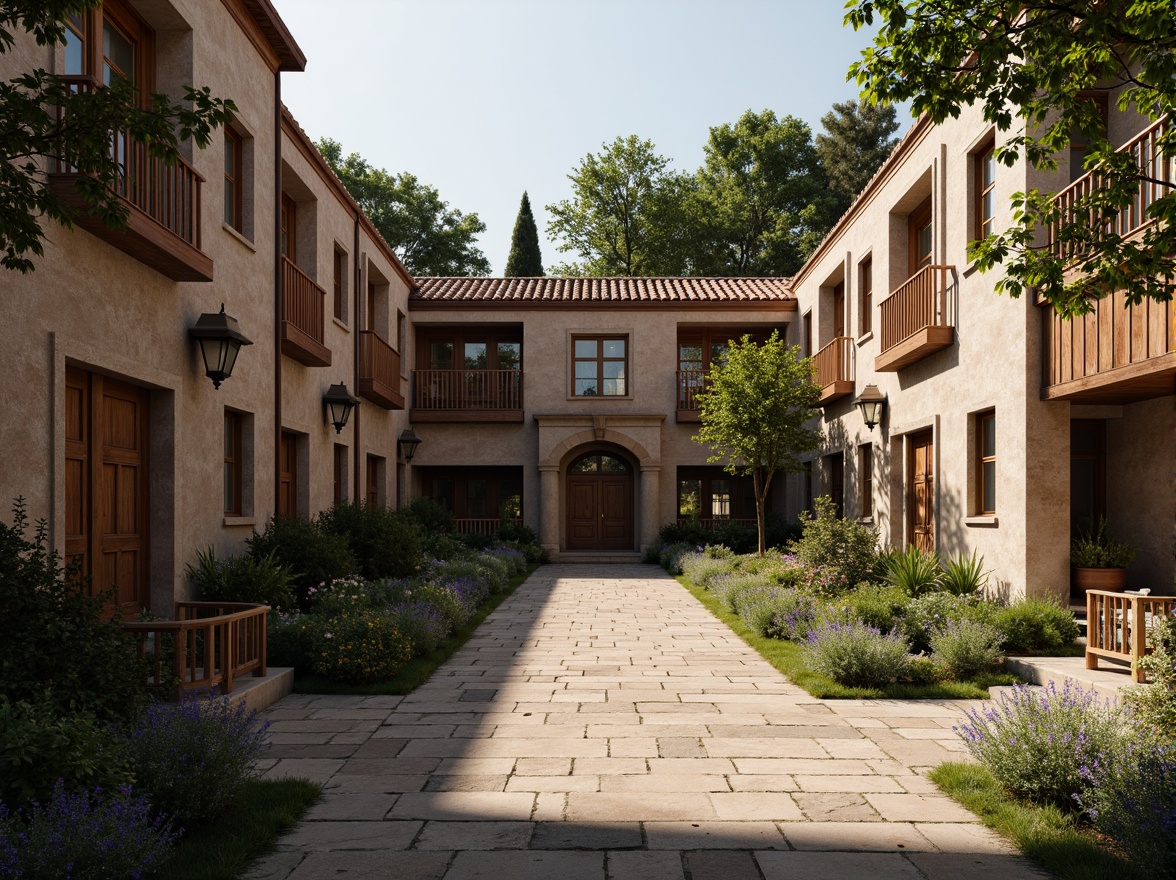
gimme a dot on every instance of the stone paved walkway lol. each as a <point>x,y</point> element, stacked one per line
<point>602,724</point>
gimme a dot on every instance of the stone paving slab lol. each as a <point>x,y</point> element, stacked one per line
<point>603,725</point>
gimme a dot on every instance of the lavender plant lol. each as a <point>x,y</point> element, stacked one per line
<point>966,648</point>
<point>422,624</point>
<point>1154,704</point>
<point>191,758</point>
<point>857,655</point>
<point>778,613</point>
<point>1041,743</point>
<point>87,835</point>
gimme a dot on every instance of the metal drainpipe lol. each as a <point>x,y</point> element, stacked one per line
<point>355,381</point>
<point>278,291</point>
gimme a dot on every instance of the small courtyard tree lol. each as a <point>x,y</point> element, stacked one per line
<point>754,412</point>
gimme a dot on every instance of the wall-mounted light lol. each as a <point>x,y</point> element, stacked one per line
<point>339,405</point>
<point>220,339</point>
<point>408,443</point>
<point>871,402</point>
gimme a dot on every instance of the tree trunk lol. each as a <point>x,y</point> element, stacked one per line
<point>761,497</point>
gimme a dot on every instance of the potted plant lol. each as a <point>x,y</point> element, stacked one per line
<point>1100,560</point>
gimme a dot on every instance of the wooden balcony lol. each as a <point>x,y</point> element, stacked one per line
<point>162,201</point>
<point>713,524</point>
<point>834,366</point>
<point>690,383</point>
<point>1157,178</point>
<point>915,319</point>
<point>303,307</point>
<point>1116,354</point>
<point>379,371</point>
<point>467,396</point>
<point>482,525</point>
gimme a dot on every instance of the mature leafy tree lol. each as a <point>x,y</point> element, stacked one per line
<point>754,411</point>
<point>43,120</point>
<point>524,260</point>
<point>428,236</point>
<point>625,216</point>
<point>1030,65</point>
<point>762,204</point>
<point>856,141</point>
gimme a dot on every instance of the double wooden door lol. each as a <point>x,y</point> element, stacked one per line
<point>600,504</point>
<point>921,491</point>
<point>106,486</point>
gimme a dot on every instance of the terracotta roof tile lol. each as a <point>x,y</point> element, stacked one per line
<point>602,290</point>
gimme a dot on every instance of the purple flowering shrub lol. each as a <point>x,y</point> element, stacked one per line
<point>425,627</point>
<point>87,835</point>
<point>925,614</point>
<point>672,556</point>
<point>1042,744</point>
<point>340,596</point>
<point>1154,704</point>
<point>779,613</point>
<point>856,655</point>
<point>966,648</point>
<point>191,758</point>
<point>359,646</point>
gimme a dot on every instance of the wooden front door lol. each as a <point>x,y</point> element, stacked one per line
<point>288,476</point>
<point>839,310</point>
<point>921,492</point>
<point>600,504</point>
<point>106,482</point>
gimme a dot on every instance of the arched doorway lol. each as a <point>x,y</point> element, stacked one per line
<point>600,503</point>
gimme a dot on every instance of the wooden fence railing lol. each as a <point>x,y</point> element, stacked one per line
<point>919,303</point>
<point>715,523</point>
<point>1157,173</point>
<point>834,362</point>
<point>168,194</point>
<point>481,525</point>
<point>467,389</point>
<point>690,383</point>
<point>209,644</point>
<point>379,368</point>
<point>1116,626</point>
<point>303,301</point>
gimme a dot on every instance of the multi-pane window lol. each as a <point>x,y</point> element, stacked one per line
<point>710,496</point>
<point>866,295</point>
<point>478,498</point>
<point>233,178</point>
<point>921,237</point>
<point>985,190</point>
<point>600,366</point>
<point>699,349</point>
<point>339,282</point>
<point>232,468</point>
<point>866,480</point>
<point>986,463</point>
<point>75,44</point>
<point>807,348</point>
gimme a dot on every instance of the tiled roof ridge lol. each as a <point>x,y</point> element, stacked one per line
<point>562,288</point>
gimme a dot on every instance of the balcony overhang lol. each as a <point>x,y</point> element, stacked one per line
<point>690,416</point>
<point>465,415</point>
<point>914,348</point>
<point>1155,377</point>
<point>835,391</point>
<point>380,394</point>
<point>300,347</point>
<point>144,238</point>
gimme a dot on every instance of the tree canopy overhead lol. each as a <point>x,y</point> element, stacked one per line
<point>524,260</point>
<point>428,236</point>
<point>1032,66</point>
<point>754,412</point>
<point>43,119</point>
<point>856,140</point>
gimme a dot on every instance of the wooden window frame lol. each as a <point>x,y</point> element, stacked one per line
<point>840,327</point>
<point>866,480</point>
<point>918,220</point>
<point>495,477</point>
<point>982,460</point>
<point>866,296</point>
<point>981,158</point>
<point>232,463</point>
<point>742,500</point>
<point>289,228</point>
<point>491,335</point>
<point>234,179</point>
<point>600,360</point>
<point>338,283</point>
<point>807,334</point>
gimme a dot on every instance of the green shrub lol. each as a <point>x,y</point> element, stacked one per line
<point>313,555</point>
<point>875,605</point>
<point>431,517</point>
<point>1037,740</point>
<point>384,542</point>
<point>342,596</point>
<point>963,575</point>
<point>912,570</point>
<point>1098,548</point>
<point>59,645</point>
<point>476,540</point>
<point>1153,704</point>
<point>1035,625</point>
<point>857,655</point>
<point>242,579</point>
<point>924,670</point>
<point>966,648</point>
<point>777,613</point>
<point>288,640</point>
<point>446,601</point>
<point>702,569</point>
<point>673,556</point>
<point>829,541</point>
<point>496,570</point>
<point>359,647</point>
<point>516,533</point>
<point>924,615</point>
<point>38,746</point>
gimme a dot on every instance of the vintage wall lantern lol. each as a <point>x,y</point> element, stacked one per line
<point>339,405</point>
<point>408,443</point>
<point>871,402</point>
<point>220,339</point>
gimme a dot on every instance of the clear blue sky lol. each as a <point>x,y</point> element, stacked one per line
<point>483,99</point>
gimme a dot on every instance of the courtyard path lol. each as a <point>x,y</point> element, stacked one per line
<point>602,724</point>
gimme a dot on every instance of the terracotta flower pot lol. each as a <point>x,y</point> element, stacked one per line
<point>1110,579</point>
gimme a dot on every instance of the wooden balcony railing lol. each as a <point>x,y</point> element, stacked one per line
<point>481,525</point>
<point>209,644</point>
<point>915,320</point>
<point>1118,353</point>
<point>303,308</point>
<point>163,203</point>
<point>474,395</point>
<point>713,524</point>
<point>1116,627</point>
<point>379,371</point>
<point>690,384</point>
<point>834,366</point>
<point>1157,178</point>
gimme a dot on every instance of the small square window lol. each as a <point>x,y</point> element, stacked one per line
<point>600,366</point>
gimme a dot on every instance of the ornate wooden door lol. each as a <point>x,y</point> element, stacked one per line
<point>599,504</point>
<point>921,492</point>
<point>583,513</point>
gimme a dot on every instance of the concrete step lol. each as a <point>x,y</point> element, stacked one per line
<point>261,693</point>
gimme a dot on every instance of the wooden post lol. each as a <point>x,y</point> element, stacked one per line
<point>1092,629</point>
<point>1138,638</point>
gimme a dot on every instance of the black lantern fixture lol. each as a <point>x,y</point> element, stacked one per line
<point>339,405</point>
<point>220,340</point>
<point>871,402</point>
<point>407,444</point>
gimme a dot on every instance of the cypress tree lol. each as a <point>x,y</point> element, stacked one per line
<point>524,261</point>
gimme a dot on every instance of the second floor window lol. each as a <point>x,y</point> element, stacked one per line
<point>232,471</point>
<point>289,225</point>
<point>866,295</point>
<point>986,463</point>
<point>233,178</point>
<point>985,190</point>
<point>921,238</point>
<point>600,366</point>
